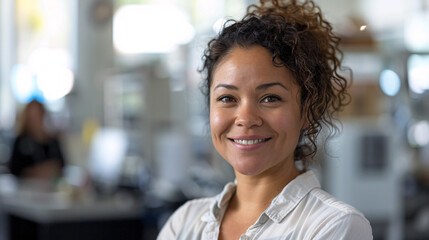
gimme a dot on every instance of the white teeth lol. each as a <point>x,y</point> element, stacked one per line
<point>248,142</point>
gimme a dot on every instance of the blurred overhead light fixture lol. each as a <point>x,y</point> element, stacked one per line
<point>45,77</point>
<point>418,73</point>
<point>362,28</point>
<point>390,82</point>
<point>23,84</point>
<point>418,134</point>
<point>55,83</point>
<point>150,29</point>
<point>417,32</point>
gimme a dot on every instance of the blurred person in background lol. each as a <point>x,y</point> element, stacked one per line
<point>36,153</point>
<point>272,80</point>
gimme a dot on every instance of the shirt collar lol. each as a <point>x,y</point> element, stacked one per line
<point>218,206</point>
<point>291,195</point>
<point>281,205</point>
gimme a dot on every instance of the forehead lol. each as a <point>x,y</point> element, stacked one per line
<point>250,65</point>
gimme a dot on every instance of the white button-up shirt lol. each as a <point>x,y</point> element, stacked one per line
<point>301,211</point>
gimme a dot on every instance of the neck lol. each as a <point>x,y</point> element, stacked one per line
<point>257,192</point>
<point>39,135</point>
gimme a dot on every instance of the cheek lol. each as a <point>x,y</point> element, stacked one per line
<point>218,123</point>
<point>290,124</point>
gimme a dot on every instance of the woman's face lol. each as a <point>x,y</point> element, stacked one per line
<point>34,117</point>
<point>255,113</point>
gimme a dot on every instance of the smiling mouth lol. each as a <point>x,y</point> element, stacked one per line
<point>250,142</point>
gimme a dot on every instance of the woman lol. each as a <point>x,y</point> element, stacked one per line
<point>272,81</point>
<point>36,154</point>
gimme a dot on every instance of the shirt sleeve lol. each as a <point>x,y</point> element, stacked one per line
<point>174,224</point>
<point>348,227</point>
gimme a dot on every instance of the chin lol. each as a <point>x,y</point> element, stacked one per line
<point>248,170</point>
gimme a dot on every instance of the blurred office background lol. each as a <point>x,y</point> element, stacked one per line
<point>119,79</point>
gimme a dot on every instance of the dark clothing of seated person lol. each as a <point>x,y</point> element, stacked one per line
<point>31,158</point>
<point>36,154</point>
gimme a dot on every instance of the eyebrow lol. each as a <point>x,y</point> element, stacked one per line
<point>268,85</point>
<point>260,87</point>
<point>227,86</point>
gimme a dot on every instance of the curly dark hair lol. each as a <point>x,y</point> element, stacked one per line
<point>300,39</point>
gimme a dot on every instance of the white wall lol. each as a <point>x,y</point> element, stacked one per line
<point>7,60</point>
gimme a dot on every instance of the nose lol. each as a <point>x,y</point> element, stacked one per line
<point>248,115</point>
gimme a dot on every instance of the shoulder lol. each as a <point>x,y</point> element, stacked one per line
<point>21,138</point>
<point>328,202</point>
<point>195,207</point>
<point>23,143</point>
<point>188,214</point>
<point>335,219</point>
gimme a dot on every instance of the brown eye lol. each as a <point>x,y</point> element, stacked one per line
<point>226,99</point>
<point>269,99</point>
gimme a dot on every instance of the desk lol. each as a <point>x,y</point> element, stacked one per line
<point>46,216</point>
